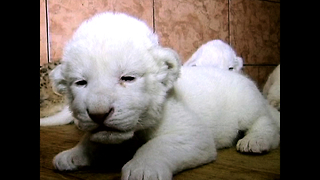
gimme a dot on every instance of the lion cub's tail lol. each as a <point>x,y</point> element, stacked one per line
<point>61,118</point>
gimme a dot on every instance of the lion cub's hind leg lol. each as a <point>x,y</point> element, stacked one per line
<point>262,136</point>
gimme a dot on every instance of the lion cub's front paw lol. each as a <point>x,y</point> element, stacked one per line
<point>139,170</point>
<point>70,160</point>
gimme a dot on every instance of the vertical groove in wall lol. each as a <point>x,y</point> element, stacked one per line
<point>229,29</point>
<point>47,30</point>
<point>153,18</point>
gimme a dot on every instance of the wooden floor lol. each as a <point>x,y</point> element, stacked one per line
<point>229,164</point>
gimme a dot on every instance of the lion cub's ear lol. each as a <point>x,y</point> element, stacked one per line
<point>170,64</point>
<point>238,63</point>
<point>59,84</point>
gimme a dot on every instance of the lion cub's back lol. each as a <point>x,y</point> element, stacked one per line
<point>219,97</point>
<point>209,83</point>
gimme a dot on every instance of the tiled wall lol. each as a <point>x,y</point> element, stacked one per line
<point>252,27</point>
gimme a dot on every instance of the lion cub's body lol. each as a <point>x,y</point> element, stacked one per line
<point>224,101</point>
<point>271,90</point>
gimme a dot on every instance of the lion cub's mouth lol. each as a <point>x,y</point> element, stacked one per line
<point>111,137</point>
<point>94,127</point>
<point>108,135</point>
<point>105,128</point>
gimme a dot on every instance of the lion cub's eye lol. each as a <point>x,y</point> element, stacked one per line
<point>81,83</point>
<point>127,78</point>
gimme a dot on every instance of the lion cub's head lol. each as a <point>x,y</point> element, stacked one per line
<point>116,76</point>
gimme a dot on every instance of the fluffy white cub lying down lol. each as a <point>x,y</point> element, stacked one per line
<point>122,84</point>
<point>271,89</point>
<point>216,53</point>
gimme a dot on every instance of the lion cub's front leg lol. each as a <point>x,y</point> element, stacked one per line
<point>79,156</point>
<point>166,155</point>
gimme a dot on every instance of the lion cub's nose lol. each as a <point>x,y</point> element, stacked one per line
<point>99,117</point>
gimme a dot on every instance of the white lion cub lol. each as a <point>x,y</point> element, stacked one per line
<point>271,89</point>
<point>216,53</point>
<point>122,84</point>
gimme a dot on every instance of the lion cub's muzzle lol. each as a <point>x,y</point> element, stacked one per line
<point>99,117</point>
<point>101,121</point>
<point>102,130</point>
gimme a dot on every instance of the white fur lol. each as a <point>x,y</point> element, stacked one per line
<point>182,113</point>
<point>271,89</point>
<point>216,53</point>
<point>62,117</point>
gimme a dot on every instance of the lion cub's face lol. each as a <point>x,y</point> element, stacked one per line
<point>111,92</point>
<point>116,76</point>
<point>117,91</point>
